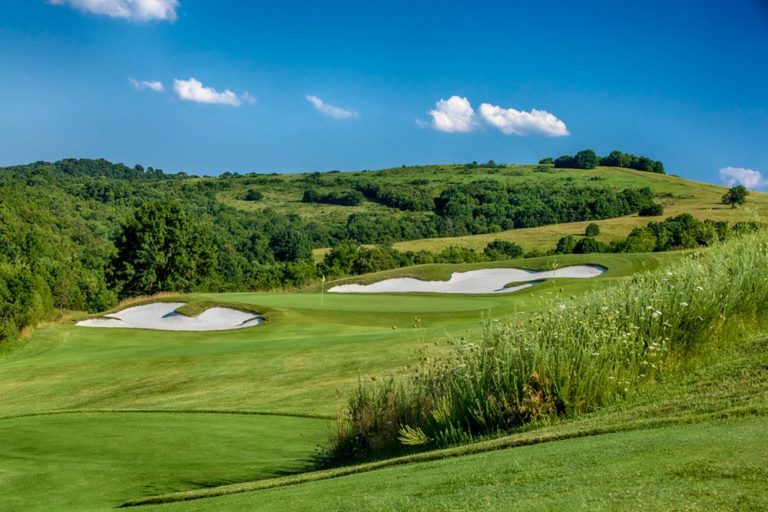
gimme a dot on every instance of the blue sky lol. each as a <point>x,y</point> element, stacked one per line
<point>292,86</point>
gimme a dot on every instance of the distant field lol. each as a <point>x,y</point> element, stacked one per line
<point>677,195</point>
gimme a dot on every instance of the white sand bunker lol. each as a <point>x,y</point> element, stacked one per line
<point>162,316</point>
<point>491,280</point>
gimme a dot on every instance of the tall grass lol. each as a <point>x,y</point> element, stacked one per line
<point>578,354</point>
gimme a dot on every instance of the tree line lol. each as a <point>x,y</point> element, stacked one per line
<point>588,159</point>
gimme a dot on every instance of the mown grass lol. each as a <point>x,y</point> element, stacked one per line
<point>89,460</point>
<point>142,388</point>
<point>568,359</point>
<point>616,265</point>
<point>663,448</point>
<point>700,467</point>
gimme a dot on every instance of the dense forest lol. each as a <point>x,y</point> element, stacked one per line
<point>83,234</point>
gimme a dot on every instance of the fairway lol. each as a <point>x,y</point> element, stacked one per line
<point>656,469</point>
<point>187,390</point>
<point>84,459</point>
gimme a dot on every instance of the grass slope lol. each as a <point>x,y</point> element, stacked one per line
<point>697,441</point>
<point>100,452</point>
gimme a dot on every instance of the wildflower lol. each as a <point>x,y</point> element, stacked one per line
<point>561,307</point>
<point>684,304</point>
<point>656,314</point>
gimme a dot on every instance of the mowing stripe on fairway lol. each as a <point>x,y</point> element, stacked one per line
<point>171,411</point>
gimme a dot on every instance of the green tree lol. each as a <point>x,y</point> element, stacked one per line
<point>161,248</point>
<point>290,245</point>
<point>565,245</point>
<point>592,229</point>
<point>735,196</point>
<point>586,159</point>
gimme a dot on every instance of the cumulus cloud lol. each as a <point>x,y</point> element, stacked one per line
<point>733,176</point>
<point>144,85</point>
<point>194,90</point>
<point>139,10</point>
<point>515,122</point>
<point>454,115</point>
<point>331,110</point>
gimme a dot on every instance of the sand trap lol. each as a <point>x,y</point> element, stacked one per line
<point>475,281</point>
<point>162,316</point>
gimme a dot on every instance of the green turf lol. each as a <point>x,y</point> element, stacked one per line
<point>696,441</point>
<point>717,466</point>
<point>310,353</point>
<point>83,461</point>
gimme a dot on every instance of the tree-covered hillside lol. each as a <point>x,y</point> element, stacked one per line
<point>82,234</point>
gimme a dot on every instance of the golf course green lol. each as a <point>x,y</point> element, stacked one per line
<point>97,417</point>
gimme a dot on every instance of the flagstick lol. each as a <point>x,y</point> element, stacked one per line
<point>322,293</point>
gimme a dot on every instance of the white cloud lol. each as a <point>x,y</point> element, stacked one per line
<point>515,122</point>
<point>140,10</point>
<point>143,85</point>
<point>454,115</point>
<point>248,98</point>
<point>732,176</point>
<point>331,110</point>
<point>194,90</point>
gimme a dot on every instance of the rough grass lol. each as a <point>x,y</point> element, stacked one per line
<point>571,358</point>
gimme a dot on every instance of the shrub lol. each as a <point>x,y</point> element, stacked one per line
<point>592,229</point>
<point>253,195</point>
<point>503,250</point>
<point>652,210</point>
